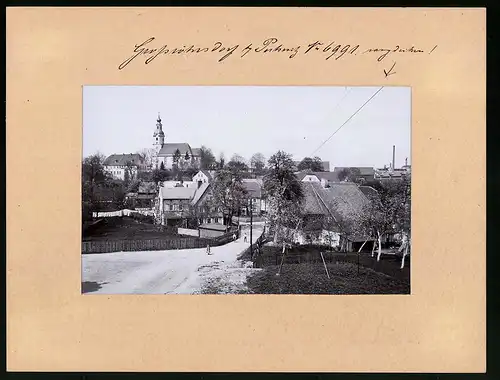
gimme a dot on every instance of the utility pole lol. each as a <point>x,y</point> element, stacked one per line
<point>251,228</point>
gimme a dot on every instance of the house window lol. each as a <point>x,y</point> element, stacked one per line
<point>209,220</point>
<point>216,220</point>
<point>180,207</point>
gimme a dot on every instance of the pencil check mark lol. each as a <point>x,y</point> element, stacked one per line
<point>387,73</point>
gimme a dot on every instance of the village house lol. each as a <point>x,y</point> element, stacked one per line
<point>325,178</point>
<point>121,166</point>
<point>203,176</point>
<point>174,205</point>
<point>327,213</point>
<point>204,209</point>
<point>188,205</point>
<point>144,197</point>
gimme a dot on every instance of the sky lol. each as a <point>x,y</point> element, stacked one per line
<point>245,120</point>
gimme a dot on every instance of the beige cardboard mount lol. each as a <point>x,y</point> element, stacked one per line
<point>53,52</point>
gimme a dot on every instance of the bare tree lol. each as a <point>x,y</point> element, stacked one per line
<point>258,163</point>
<point>148,155</point>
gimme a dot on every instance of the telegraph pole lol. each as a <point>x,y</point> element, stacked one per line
<point>251,228</point>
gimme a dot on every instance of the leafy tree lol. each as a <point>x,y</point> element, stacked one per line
<point>162,166</point>
<point>207,158</point>
<point>349,175</point>
<point>145,176</point>
<point>284,193</point>
<point>94,177</point>
<point>258,163</point>
<point>186,157</point>
<point>177,156</point>
<point>228,193</point>
<point>237,164</point>
<point>317,165</point>
<point>314,164</point>
<point>159,175</point>
<point>129,172</point>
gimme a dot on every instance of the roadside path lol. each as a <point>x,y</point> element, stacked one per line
<point>167,272</point>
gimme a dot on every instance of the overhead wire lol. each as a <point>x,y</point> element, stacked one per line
<point>350,117</point>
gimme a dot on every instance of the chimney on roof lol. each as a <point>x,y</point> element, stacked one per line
<point>406,161</point>
<point>393,157</point>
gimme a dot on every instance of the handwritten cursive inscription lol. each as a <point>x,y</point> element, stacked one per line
<point>331,49</point>
<point>397,49</point>
<point>149,51</point>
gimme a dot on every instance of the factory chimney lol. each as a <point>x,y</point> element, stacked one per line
<point>393,157</point>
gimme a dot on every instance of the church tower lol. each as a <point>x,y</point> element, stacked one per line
<point>158,139</point>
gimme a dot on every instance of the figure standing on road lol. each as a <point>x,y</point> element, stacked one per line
<point>245,238</point>
<point>208,249</point>
<point>234,236</point>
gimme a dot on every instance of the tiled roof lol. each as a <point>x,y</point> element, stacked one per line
<point>177,192</point>
<point>368,191</point>
<point>199,192</point>
<point>196,151</point>
<point>312,204</point>
<point>302,174</point>
<point>343,200</point>
<point>122,159</point>
<point>168,149</point>
<point>329,176</point>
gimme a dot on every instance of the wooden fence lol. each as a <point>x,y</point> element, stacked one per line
<point>177,242</point>
<point>389,264</point>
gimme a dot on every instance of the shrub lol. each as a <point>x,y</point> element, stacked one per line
<point>142,218</point>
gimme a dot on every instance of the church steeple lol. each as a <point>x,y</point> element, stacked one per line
<point>158,135</point>
<point>158,140</point>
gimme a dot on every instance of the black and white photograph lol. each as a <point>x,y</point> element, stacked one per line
<point>246,190</point>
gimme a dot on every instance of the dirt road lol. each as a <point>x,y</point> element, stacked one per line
<point>167,272</point>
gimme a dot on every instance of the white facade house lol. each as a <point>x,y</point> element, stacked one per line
<point>118,164</point>
<point>325,178</point>
<point>202,176</point>
<point>310,178</point>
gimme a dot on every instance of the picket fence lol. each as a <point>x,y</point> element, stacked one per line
<point>170,243</point>
<point>142,245</point>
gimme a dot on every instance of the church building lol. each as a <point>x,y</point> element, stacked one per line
<point>170,154</point>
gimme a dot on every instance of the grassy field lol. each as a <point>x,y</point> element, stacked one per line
<point>312,279</point>
<point>120,228</point>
